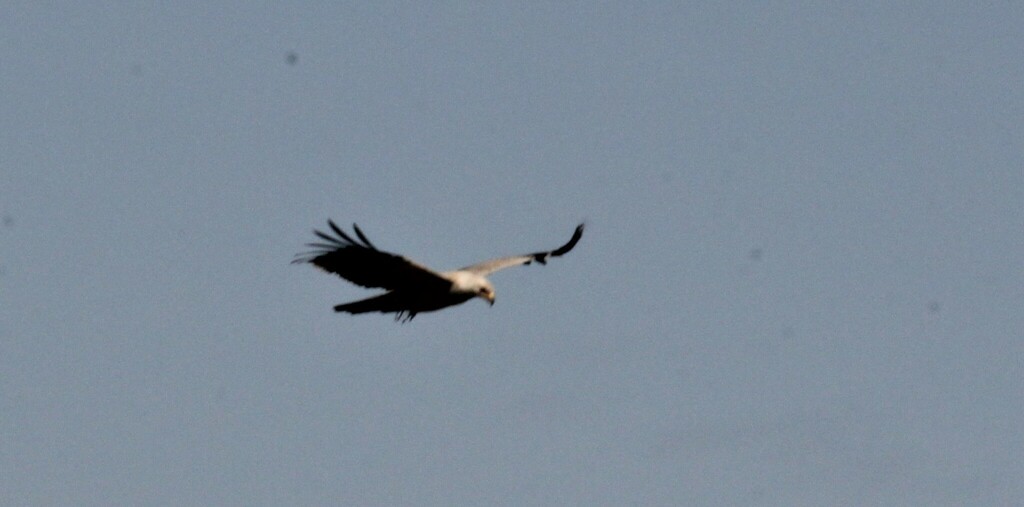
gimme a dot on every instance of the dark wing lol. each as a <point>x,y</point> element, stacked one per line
<point>362,264</point>
<point>487,267</point>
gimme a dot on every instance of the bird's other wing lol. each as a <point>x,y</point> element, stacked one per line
<point>487,267</point>
<point>359,262</point>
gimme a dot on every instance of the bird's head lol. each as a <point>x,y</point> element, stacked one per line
<point>471,283</point>
<point>486,292</point>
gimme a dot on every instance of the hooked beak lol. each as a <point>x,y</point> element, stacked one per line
<point>490,298</point>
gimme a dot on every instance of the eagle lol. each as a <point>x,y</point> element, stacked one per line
<point>411,287</point>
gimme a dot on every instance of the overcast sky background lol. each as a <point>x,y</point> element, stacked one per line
<point>802,281</point>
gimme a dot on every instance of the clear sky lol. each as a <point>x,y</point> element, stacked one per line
<point>802,281</point>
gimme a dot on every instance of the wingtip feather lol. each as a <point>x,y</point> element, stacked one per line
<point>337,230</point>
<point>564,249</point>
<point>362,236</point>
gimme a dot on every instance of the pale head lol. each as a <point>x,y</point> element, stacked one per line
<point>465,282</point>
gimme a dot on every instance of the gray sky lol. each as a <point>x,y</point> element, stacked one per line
<point>802,281</point>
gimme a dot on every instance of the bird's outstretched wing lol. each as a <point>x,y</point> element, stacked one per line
<point>487,267</point>
<point>362,264</point>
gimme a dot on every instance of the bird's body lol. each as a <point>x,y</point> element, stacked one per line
<point>411,287</point>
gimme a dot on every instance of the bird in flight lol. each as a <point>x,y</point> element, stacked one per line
<point>411,287</point>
